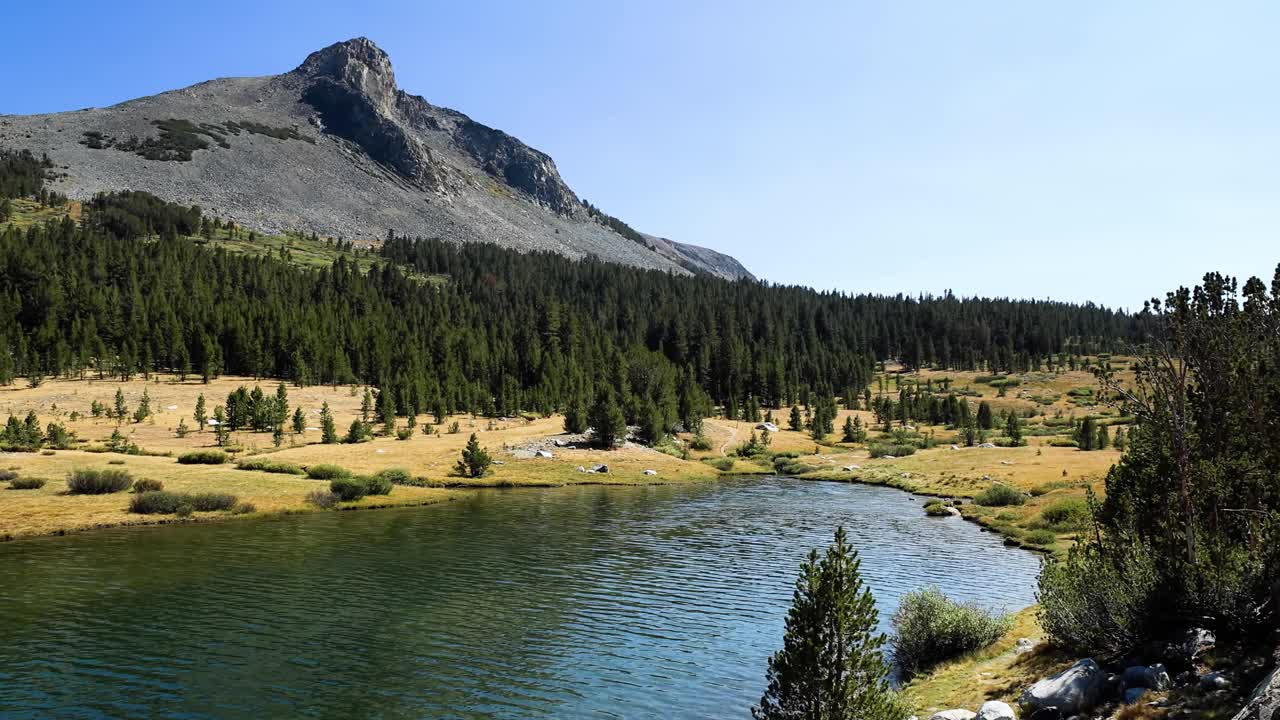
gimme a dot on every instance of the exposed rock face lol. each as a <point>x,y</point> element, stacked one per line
<point>996,710</point>
<point>1264,704</point>
<point>1074,690</point>
<point>337,148</point>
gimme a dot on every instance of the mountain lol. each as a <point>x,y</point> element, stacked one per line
<point>335,147</point>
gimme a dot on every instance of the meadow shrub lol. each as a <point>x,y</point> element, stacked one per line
<point>322,499</point>
<point>162,502</point>
<point>325,471</point>
<point>1068,514</point>
<point>115,462</point>
<point>1041,537</point>
<point>723,464</point>
<point>395,476</point>
<point>1063,442</point>
<point>348,488</point>
<point>26,483</point>
<point>377,485</point>
<point>88,481</point>
<point>700,442</point>
<point>203,457</point>
<point>7,475</point>
<point>262,464</point>
<point>999,496</point>
<point>145,485</point>
<point>879,450</point>
<point>184,510</point>
<point>789,466</point>
<point>1096,603</point>
<point>930,628</point>
<point>244,508</point>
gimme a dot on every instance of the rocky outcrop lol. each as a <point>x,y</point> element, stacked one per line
<point>1074,690</point>
<point>1264,703</point>
<point>335,147</point>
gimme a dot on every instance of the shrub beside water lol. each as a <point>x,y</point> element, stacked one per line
<point>322,499</point>
<point>203,457</point>
<point>88,481</point>
<point>999,496</point>
<point>162,502</point>
<point>879,450</point>
<point>348,488</point>
<point>377,485</point>
<point>325,471</point>
<point>930,628</point>
<point>936,508</point>
<point>26,483</point>
<point>144,485</point>
<point>262,464</point>
<point>395,476</point>
<point>1066,515</point>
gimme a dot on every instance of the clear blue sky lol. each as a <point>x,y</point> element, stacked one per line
<point>1102,151</point>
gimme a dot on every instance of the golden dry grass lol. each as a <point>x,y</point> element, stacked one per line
<point>49,510</point>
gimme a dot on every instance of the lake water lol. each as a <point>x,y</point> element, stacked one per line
<point>587,602</point>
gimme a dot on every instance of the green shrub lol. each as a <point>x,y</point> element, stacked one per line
<point>26,483</point>
<point>879,450</point>
<point>404,433</point>
<point>1068,514</point>
<point>203,457</point>
<point>1042,538</point>
<point>327,472</point>
<point>262,464</point>
<point>7,475</point>
<point>1093,603</point>
<point>184,510</point>
<point>244,508</point>
<point>1063,442</point>
<point>789,466</point>
<point>115,462</point>
<point>700,442</point>
<point>723,464</point>
<point>144,485</point>
<point>930,628</point>
<point>377,485</point>
<point>348,488</point>
<point>162,502</point>
<point>86,481</point>
<point>936,508</point>
<point>395,476</point>
<point>999,496</point>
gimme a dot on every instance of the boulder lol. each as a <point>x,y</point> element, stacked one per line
<point>1073,690</point>
<point>1264,704</point>
<point>650,472</point>
<point>954,715</point>
<point>1152,677</point>
<point>1214,681</point>
<point>1024,646</point>
<point>601,468</point>
<point>544,454</point>
<point>996,710</point>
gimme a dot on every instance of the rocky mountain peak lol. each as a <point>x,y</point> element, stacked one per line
<point>358,64</point>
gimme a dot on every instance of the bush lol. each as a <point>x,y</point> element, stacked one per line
<point>7,475</point>
<point>1063,442</point>
<point>162,502</point>
<point>244,508</point>
<point>184,510</point>
<point>268,465</point>
<point>142,486</point>
<point>348,488</point>
<point>790,466</point>
<point>378,485</point>
<point>999,496</point>
<point>723,464</point>
<point>929,628</point>
<point>203,457</point>
<point>936,508</point>
<point>87,481</point>
<point>404,433</point>
<point>1041,537</point>
<point>327,472</point>
<point>1093,603</point>
<point>115,462</point>
<point>26,483</point>
<point>1067,514</point>
<point>879,450</point>
<point>322,499</point>
<point>700,442</point>
<point>395,476</point>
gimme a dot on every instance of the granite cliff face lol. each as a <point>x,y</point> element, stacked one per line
<point>336,147</point>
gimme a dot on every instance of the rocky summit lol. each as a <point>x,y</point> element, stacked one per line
<point>335,147</point>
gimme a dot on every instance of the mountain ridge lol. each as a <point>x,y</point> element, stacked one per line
<point>336,147</point>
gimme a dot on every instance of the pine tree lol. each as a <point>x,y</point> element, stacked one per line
<point>608,424</point>
<point>475,460</point>
<point>1087,433</point>
<point>328,431</point>
<point>120,408</point>
<point>366,405</point>
<point>985,420</point>
<point>1120,440</point>
<point>221,431</point>
<point>797,421</point>
<point>144,407</point>
<point>830,666</point>
<point>199,415</point>
<point>575,417</point>
<point>1013,429</point>
<point>1103,438</point>
<point>299,421</point>
<point>281,409</point>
